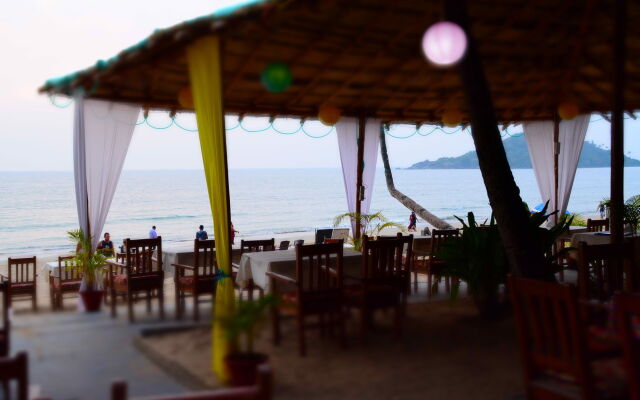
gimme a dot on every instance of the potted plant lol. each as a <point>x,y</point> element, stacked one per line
<point>242,361</point>
<point>91,264</point>
<point>371,224</point>
<point>477,258</point>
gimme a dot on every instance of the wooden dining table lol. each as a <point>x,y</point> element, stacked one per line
<point>256,265</point>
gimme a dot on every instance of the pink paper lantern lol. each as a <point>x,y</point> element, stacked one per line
<point>444,43</point>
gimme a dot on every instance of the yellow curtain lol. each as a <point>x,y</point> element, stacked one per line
<point>203,58</point>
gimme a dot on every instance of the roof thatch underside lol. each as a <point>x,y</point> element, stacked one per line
<point>364,56</point>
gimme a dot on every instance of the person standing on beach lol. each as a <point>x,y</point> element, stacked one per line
<point>413,220</point>
<point>202,234</point>
<point>233,234</point>
<point>152,233</point>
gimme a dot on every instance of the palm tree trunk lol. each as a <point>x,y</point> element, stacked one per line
<point>406,201</point>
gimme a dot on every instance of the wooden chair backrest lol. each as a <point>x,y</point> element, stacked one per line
<point>440,236</point>
<point>627,316</point>
<point>5,329</point>
<point>604,269</point>
<point>22,270</point>
<point>67,270</point>
<point>312,267</point>
<point>262,390</point>
<point>407,247</point>
<point>139,254</point>
<point>597,225</point>
<point>284,245</point>
<point>204,257</point>
<point>16,369</point>
<point>550,332</point>
<point>382,260</point>
<point>251,246</point>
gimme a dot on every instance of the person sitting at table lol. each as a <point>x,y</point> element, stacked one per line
<point>106,246</point>
<point>202,234</point>
<point>153,234</point>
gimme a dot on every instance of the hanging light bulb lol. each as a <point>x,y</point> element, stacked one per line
<point>185,97</point>
<point>452,117</point>
<point>328,114</point>
<point>568,110</point>
<point>444,43</point>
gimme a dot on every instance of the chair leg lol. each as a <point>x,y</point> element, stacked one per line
<point>429,283</point>
<point>113,302</point>
<point>196,311</point>
<point>34,302</point>
<point>178,301</point>
<point>148,301</point>
<point>302,345</point>
<point>130,306</point>
<point>161,300</point>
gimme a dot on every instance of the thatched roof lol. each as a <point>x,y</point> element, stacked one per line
<point>364,56</point>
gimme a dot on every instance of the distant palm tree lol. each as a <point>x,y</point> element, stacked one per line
<point>402,198</point>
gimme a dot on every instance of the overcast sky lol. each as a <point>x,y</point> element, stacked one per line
<point>41,39</point>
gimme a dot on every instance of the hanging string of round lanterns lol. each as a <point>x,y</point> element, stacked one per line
<point>568,110</point>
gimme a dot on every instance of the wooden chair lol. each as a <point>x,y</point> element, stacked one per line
<point>140,273</point>
<point>5,329</point>
<point>627,317</point>
<point>66,279</point>
<point>407,259</point>
<point>262,390</point>
<point>196,279</point>
<point>431,265</point>
<point>552,342</point>
<point>284,245</point>
<point>252,246</point>
<point>22,279</point>
<point>15,369</point>
<point>604,269</point>
<point>381,283</point>
<point>597,225</point>
<point>318,284</point>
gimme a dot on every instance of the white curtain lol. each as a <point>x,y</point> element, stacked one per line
<point>107,129</point>
<point>79,163</point>
<point>539,136</point>
<point>347,132</point>
<point>571,138</point>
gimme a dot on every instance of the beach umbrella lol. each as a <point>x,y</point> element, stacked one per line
<point>540,206</point>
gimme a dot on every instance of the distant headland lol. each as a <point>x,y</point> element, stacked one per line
<point>592,156</point>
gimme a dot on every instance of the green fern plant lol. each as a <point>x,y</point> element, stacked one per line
<point>371,224</point>
<point>90,263</point>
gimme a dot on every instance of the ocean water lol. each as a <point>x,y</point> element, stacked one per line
<point>38,208</point>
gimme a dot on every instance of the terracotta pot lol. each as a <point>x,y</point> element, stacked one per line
<point>243,367</point>
<point>92,299</point>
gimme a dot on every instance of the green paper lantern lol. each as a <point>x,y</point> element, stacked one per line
<point>276,77</point>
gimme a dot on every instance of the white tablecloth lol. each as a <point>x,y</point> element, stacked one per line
<point>51,266</point>
<point>255,265</point>
<point>592,238</point>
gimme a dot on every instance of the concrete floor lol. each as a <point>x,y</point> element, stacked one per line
<point>77,355</point>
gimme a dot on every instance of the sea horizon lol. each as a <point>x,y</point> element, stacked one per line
<point>39,206</point>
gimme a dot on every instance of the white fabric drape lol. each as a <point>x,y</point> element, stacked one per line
<point>571,138</point>
<point>79,163</point>
<point>106,128</point>
<point>539,136</point>
<point>347,132</point>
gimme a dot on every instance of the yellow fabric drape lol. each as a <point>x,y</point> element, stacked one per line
<point>203,58</point>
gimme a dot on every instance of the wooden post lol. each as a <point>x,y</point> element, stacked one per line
<point>360,168</point>
<point>617,124</point>
<point>525,258</point>
<point>556,155</point>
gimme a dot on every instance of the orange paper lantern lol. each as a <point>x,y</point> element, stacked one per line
<point>329,115</point>
<point>568,110</point>
<point>452,118</point>
<point>185,97</point>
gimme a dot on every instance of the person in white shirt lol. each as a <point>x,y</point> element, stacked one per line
<point>152,233</point>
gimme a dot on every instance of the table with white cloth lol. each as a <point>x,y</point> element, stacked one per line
<point>51,267</point>
<point>593,238</point>
<point>256,265</point>
<point>182,253</point>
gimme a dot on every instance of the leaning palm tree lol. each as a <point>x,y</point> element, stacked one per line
<point>402,198</point>
<point>371,224</point>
